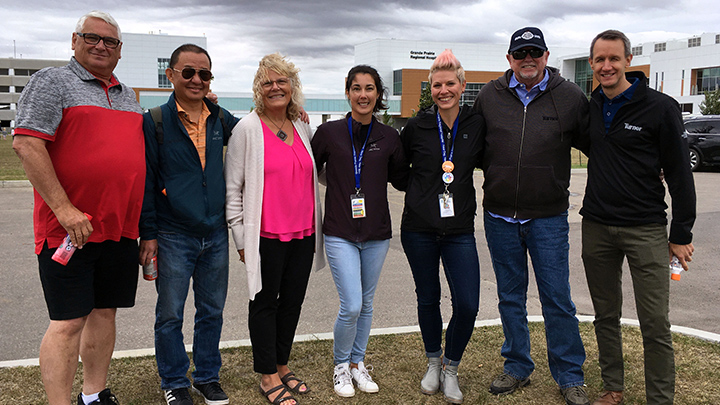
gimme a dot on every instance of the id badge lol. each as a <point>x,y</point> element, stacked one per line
<point>357,204</point>
<point>447,208</point>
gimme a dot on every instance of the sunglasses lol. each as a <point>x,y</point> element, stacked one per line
<point>94,39</point>
<point>188,73</point>
<point>522,53</point>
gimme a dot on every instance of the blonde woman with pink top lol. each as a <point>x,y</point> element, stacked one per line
<point>273,209</point>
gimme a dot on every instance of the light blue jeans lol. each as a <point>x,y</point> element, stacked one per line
<point>355,267</point>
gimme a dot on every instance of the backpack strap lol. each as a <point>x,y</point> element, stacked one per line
<point>226,131</point>
<point>156,113</point>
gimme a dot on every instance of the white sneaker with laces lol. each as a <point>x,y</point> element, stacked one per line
<point>343,381</point>
<point>362,378</point>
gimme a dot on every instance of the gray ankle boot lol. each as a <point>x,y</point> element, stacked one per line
<point>450,385</point>
<point>431,381</point>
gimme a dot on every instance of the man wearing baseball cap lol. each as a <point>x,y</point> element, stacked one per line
<point>533,117</point>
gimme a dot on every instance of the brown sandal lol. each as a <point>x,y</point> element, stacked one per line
<point>295,390</point>
<point>279,399</point>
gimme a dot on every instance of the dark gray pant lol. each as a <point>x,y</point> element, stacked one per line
<point>646,248</point>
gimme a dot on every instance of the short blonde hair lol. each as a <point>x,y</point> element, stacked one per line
<point>447,61</point>
<point>280,65</point>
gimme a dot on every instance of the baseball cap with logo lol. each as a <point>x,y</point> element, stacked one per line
<point>528,36</point>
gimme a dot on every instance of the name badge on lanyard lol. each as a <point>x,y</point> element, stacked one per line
<point>357,200</point>
<point>447,207</point>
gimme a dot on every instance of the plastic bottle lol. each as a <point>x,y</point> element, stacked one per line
<point>66,249</point>
<point>675,268</point>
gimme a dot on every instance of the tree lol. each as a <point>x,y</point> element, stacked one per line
<point>425,98</point>
<point>387,119</point>
<point>711,104</point>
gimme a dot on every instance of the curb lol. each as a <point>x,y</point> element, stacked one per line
<point>121,354</point>
<point>14,183</point>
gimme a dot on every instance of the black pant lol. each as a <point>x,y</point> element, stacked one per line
<point>275,311</point>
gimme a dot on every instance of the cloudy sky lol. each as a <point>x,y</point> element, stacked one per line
<point>319,36</point>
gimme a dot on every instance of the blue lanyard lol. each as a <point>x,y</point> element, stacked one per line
<point>442,138</point>
<point>357,160</point>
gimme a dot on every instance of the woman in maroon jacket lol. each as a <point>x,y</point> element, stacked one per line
<point>360,156</point>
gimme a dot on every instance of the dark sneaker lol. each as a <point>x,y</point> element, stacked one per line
<point>105,397</point>
<point>178,396</point>
<point>212,393</point>
<point>506,384</point>
<point>575,396</point>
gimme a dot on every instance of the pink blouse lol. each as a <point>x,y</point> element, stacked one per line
<point>288,205</point>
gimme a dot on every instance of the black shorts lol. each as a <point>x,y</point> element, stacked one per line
<point>100,275</point>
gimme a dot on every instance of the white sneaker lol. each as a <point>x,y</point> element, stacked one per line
<point>343,381</point>
<point>363,379</point>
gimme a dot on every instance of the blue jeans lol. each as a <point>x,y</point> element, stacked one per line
<point>355,267</point>
<point>424,250</point>
<point>205,260</point>
<point>546,240</point>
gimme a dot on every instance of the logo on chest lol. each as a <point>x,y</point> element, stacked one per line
<point>632,127</point>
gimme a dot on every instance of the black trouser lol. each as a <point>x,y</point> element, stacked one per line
<point>275,311</point>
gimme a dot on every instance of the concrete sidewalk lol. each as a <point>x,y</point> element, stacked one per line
<point>23,317</point>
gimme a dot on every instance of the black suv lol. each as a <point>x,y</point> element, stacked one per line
<point>703,136</point>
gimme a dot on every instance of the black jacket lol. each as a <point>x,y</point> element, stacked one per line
<point>421,143</point>
<point>383,161</point>
<point>526,161</point>
<point>624,187</point>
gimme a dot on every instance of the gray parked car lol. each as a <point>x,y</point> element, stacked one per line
<point>703,135</point>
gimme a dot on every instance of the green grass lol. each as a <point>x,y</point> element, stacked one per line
<point>399,364</point>
<point>10,166</point>
<point>578,159</point>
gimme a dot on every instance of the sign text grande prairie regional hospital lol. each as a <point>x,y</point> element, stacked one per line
<point>422,55</point>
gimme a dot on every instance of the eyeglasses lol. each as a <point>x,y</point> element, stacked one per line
<point>522,53</point>
<point>188,73</point>
<point>280,82</point>
<point>94,39</point>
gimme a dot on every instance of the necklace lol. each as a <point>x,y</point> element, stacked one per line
<point>281,134</point>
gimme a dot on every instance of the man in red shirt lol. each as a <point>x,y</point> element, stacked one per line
<point>79,137</point>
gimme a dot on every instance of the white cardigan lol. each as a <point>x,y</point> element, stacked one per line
<point>244,176</point>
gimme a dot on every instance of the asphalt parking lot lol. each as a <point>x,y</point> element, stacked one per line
<point>23,315</point>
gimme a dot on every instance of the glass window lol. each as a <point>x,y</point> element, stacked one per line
<point>708,79</point>
<point>163,82</point>
<point>4,72</point>
<point>397,83</point>
<point>4,89</point>
<point>702,127</point>
<point>660,47</point>
<point>19,89</point>
<point>717,38</point>
<point>637,50</point>
<point>693,42</point>
<point>583,76</point>
<point>471,92</point>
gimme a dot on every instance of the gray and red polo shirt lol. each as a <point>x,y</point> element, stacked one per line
<point>97,147</point>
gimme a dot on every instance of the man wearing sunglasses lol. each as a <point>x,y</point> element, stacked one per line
<point>79,137</point>
<point>183,224</point>
<point>533,117</point>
